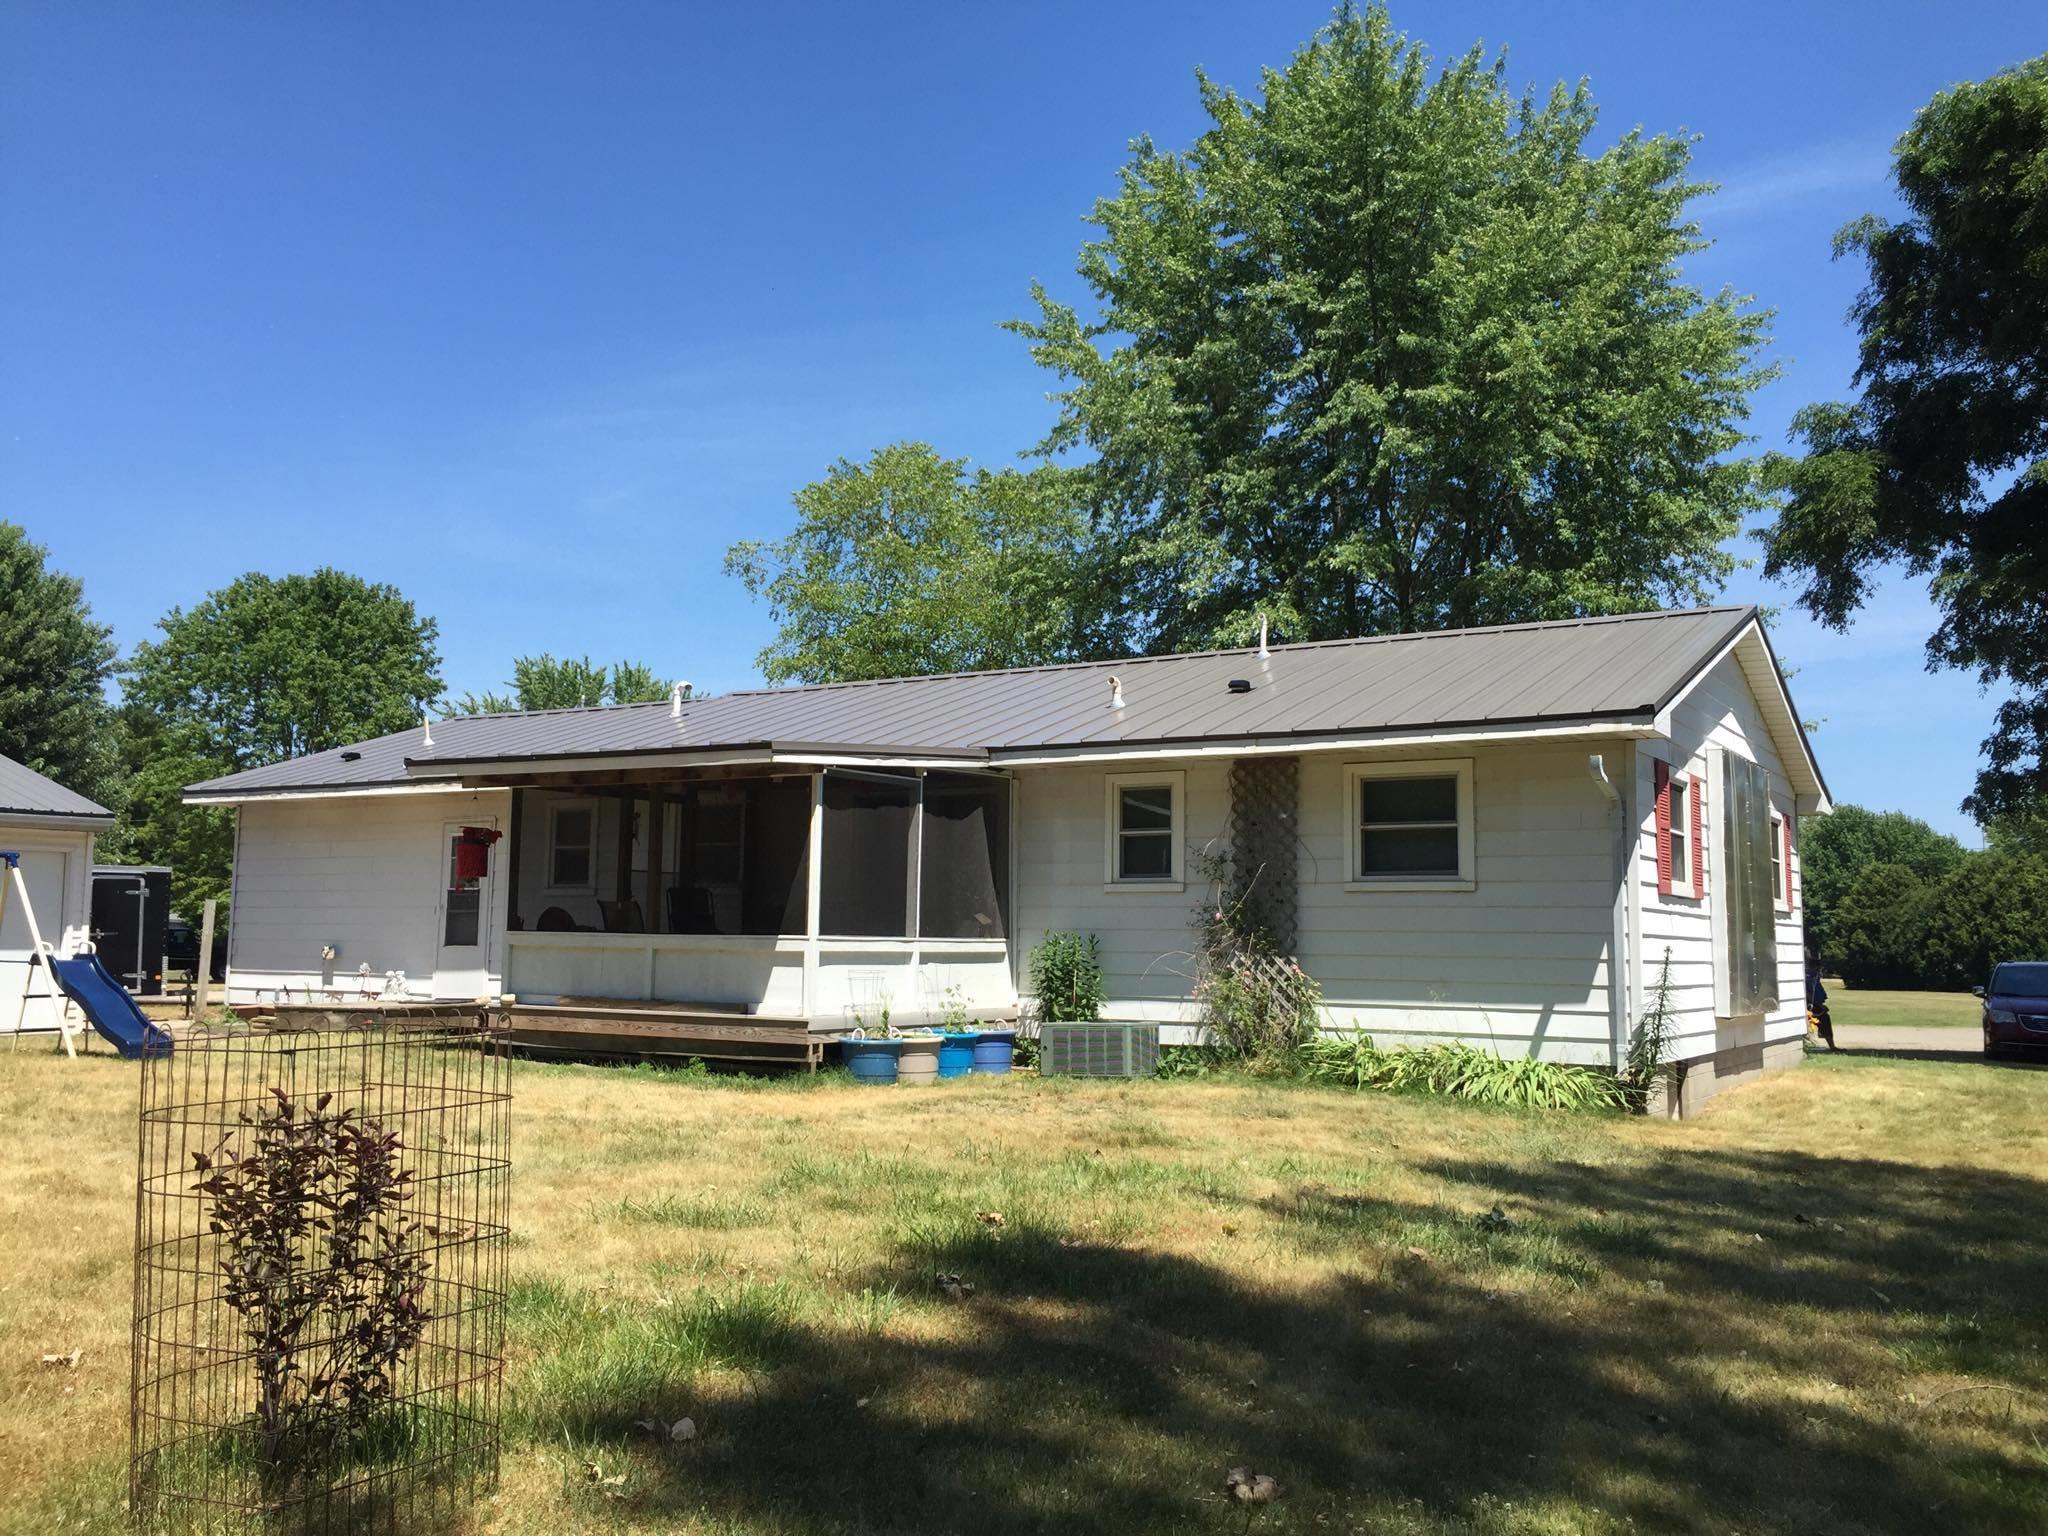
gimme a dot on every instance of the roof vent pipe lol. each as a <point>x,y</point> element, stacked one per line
<point>1263,651</point>
<point>1116,692</point>
<point>676,695</point>
<point>426,729</point>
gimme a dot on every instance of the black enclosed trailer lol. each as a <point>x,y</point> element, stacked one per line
<point>131,907</point>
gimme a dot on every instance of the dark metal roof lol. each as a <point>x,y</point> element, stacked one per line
<point>24,792</point>
<point>1600,669</point>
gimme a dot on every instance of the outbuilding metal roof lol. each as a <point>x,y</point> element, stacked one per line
<point>24,792</point>
<point>1614,670</point>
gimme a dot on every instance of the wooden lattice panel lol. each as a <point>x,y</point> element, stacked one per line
<point>1265,845</point>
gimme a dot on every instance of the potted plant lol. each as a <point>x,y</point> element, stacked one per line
<point>995,1050</point>
<point>957,1035</point>
<point>918,1061</point>
<point>871,1049</point>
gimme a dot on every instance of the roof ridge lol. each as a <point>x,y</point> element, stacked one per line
<point>1245,650</point>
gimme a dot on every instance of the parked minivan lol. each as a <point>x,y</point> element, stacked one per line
<point>2016,1008</point>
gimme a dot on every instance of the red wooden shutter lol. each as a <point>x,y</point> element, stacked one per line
<point>1788,861</point>
<point>1661,772</point>
<point>1695,788</point>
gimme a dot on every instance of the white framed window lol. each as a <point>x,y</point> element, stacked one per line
<point>1781,865</point>
<point>1411,825</point>
<point>572,846</point>
<point>1144,815</point>
<point>1684,856</point>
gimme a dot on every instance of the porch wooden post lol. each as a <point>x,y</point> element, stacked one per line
<point>813,886</point>
<point>517,834</point>
<point>657,846</point>
<point>622,875</point>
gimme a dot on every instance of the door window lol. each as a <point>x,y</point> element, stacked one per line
<point>463,905</point>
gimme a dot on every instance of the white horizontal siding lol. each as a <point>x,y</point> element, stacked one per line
<point>1519,961</point>
<point>1720,713</point>
<point>365,875</point>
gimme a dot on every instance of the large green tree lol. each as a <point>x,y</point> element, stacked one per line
<point>911,564</point>
<point>1389,350</point>
<point>1836,849</point>
<point>54,666</point>
<point>264,669</point>
<point>1941,462</point>
<point>568,682</point>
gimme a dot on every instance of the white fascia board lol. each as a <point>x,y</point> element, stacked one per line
<point>851,760</point>
<point>343,792</point>
<point>1352,742</point>
<point>53,820</point>
<point>750,757</point>
<point>597,762</point>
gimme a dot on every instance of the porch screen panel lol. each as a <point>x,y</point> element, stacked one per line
<point>864,883</point>
<point>964,878</point>
<point>743,856</point>
<point>1750,922</point>
<point>776,882</point>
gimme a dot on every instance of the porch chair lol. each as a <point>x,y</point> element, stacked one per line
<point>622,916</point>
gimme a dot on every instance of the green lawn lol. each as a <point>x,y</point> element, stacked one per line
<point>1815,1309</point>
<point>1918,1010</point>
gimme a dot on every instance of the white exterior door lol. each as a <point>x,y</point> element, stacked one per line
<point>46,872</point>
<point>463,922</point>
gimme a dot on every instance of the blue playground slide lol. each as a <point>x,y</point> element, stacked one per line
<point>107,1003</point>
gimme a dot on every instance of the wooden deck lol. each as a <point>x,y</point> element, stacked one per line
<point>611,1029</point>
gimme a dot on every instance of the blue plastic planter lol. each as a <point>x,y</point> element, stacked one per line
<point>956,1054</point>
<point>994,1050</point>
<point>871,1061</point>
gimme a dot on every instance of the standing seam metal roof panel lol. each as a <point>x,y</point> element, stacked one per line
<point>25,792</point>
<point>1597,668</point>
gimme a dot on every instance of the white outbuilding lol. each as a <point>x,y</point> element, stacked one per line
<point>52,829</point>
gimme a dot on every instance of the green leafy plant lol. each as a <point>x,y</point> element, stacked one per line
<point>871,1021</point>
<point>1066,978</point>
<point>323,1265</point>
<point>1259,1007</point>
<point>954,1019</point>
<point>1185,1061</point>
<point>1350,1060</point>
<point>1649,1048</point>
<point>1459,1071</point>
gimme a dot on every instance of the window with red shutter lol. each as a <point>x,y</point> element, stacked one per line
<point>1695,868</point>
<point>1661,777</point>
<point>1788,862</point>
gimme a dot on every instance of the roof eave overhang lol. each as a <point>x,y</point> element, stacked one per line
<point>78,821</point>
<point>1809,786</point>
<point>201,796</point>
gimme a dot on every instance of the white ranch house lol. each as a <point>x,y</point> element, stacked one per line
<point>1490,835</point>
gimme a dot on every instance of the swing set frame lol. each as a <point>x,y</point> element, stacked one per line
<point>39,957</point>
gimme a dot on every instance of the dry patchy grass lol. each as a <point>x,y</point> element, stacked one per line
<point>1815,1309</point>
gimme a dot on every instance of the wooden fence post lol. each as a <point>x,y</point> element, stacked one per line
<point>202,972</point>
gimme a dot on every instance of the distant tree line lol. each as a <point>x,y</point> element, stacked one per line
<point>1890,902</point>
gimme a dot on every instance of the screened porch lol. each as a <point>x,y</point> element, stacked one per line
<point>794,895</point>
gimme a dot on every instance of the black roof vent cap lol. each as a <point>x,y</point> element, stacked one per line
<point>351,756</point>
<point>1240,685</point>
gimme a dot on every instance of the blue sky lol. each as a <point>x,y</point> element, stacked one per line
<point>532,310</point>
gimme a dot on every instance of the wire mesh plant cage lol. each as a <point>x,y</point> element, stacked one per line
<point>320,1251</point>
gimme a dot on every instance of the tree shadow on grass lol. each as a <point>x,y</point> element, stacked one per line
<point>1105,1388</point>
